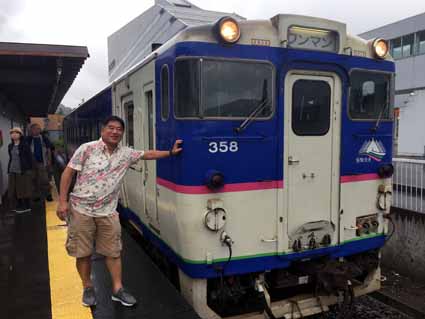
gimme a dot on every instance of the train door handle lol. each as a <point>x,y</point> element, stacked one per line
<point>271,240</point>
<point>292,161</point>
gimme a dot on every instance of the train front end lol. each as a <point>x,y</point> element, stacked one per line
<point>281,193</point>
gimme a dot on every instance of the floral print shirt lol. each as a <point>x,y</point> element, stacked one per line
<point>99,177</point>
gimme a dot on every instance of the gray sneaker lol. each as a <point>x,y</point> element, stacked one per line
<point>89,297</point>
<point>124,297</point>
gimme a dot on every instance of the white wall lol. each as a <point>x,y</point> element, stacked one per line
<point>411,140</point>
<point>9,116</point>
<point>4,127</point>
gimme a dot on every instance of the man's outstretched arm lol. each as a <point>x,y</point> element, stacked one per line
<point>152,154</point>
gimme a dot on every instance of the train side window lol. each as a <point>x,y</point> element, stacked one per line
<point>187,88</point>
<point>369,96</point>
<point>165,93</point>
<point>129,114</point>
<point>311,107</point>
<point>149,102</point>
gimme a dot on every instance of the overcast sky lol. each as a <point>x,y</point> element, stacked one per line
<point>89,22</point>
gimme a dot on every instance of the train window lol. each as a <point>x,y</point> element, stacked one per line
<point>369,96</point>
<point>94,131</point>
<point>187,83</point>
<point>165,93</point>
<point>149,102</point>
<point>235,88</point>
<point>311,107</point>
<point>129,114</point>
<point>230,89</point>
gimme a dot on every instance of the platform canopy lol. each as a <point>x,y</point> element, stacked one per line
<point>36,77</point>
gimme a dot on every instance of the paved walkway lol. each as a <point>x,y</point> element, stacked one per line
<point>38,280</point>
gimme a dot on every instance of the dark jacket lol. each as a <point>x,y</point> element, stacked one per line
<point>45,140</point>
<point>24,154</point>
<point>47,144</point>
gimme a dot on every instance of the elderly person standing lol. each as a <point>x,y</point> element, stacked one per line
<point>100,166</point>
<point>19,170</point>
<point>40,148</point>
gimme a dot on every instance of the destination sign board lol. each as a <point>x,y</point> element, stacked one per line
<point>312,39</point>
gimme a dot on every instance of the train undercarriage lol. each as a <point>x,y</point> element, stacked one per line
<point>306,288</point>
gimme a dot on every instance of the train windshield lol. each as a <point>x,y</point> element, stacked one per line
<point>369,96</point>
<point>230,89</point>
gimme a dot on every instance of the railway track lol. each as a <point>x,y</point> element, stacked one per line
<point>369,307</point>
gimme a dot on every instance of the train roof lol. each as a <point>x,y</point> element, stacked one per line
<point>90,100</point>
<point>272,33</point>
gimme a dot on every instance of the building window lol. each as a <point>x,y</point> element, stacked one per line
<point>129,112</point>
<point>396,48</point>
<point>408,44</point>
<point>165,93</point>
<point>420,36</point>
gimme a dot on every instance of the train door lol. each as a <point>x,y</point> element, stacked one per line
<point>150,166</point>
<point>133,182</point>
<point>312,146</point>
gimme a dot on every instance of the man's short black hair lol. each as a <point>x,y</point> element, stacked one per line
<point>113,118</point>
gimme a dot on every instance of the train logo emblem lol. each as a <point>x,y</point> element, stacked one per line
<point>374,149</point>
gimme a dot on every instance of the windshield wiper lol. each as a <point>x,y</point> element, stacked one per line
<point>256,111</point>
<point>378,121</point>
<point>251,116</point>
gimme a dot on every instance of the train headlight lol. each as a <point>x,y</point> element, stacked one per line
<point>214,180</point>
<point>380,48</point>
<point>228,30</point>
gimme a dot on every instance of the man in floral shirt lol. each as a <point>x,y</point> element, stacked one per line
<point>91,211</point>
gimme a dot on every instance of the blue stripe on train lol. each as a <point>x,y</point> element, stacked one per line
<point>255,264</point>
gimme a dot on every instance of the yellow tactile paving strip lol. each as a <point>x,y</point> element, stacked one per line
<point>65,284</point>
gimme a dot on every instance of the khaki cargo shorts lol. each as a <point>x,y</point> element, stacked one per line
<point>88,234</point>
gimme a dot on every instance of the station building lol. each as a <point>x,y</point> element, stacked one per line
<point>52,124</point>
<point>137,39</point>
<point>407,45</point>
<point>34,78</point>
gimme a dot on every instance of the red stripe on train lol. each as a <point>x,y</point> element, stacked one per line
<point>252,186</point>
<point>359,178</point>
<point>227,188</point>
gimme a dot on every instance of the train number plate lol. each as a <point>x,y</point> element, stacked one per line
<point>223,147</point>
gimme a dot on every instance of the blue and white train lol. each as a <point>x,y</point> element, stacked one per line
<point>277,204</point>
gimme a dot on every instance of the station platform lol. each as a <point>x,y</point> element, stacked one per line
<point>38,280</point>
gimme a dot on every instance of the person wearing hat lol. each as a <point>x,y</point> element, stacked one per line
<point>19,170</point>
<point>41,153</point>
